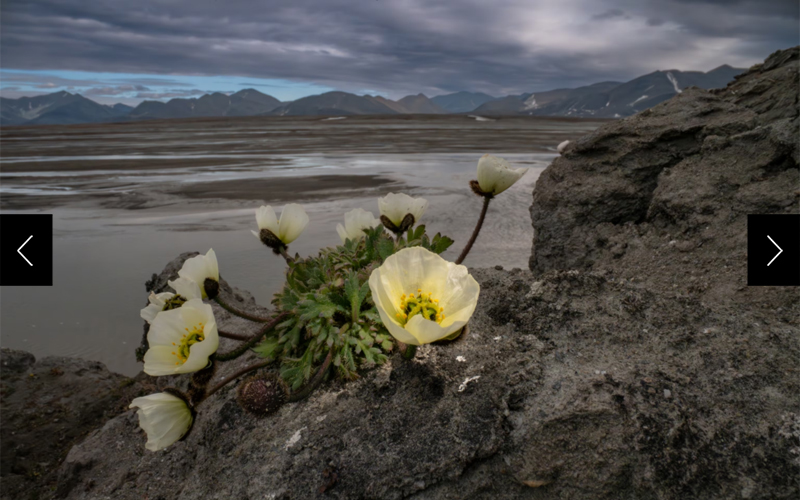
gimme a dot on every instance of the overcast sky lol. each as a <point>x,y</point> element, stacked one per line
<point>126,51</point>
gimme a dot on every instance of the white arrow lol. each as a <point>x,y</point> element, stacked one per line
<point>780,251</point>
<point>20,248</point>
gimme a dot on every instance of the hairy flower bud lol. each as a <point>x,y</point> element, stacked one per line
<point>262,395</point>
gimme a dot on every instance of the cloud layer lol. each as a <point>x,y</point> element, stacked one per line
<point>395,47</point>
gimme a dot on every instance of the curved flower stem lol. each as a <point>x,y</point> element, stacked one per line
<point>307,389</point>
<point>233,336</point>
<point>486,200</point>
<point>239,312</point>
<point>235,353</point>
<point>285,255</point>
<point>230,378</point>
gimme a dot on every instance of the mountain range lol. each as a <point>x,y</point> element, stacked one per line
<point>600,100</point>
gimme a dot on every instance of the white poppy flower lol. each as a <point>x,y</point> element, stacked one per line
<point>201,268</point>
<point>293,222</point>
<point>181,340</point>
<point>562,146</point>
<point>164,417</point>
<point>495,175</point>
<point>186,290</point>
<point>421,297</point>
<point>355,222</point>
<point>395,206</point>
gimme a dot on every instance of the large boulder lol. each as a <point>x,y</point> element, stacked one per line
<point>663,196</point>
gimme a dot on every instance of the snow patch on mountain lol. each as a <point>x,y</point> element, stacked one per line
<point>674,82</point>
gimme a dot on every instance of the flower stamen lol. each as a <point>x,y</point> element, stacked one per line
<point>193,336</point>
<point>419,303</point>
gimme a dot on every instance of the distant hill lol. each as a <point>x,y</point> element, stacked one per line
<point>462,102</point>
<point>60,108</point>
<point>248,102</point>
<point>599,100</point>
<point>334,103</point>
<point>420,104</point>
<point>610,99</point>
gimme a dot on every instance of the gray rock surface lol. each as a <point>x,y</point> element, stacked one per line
<point>639,368</point>
<point>663,196</point>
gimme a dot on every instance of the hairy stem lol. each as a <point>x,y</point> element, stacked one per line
<point>235,353</point>
<point>239,312</point>
<point>307,389</point>
<point>285,255</point>
<point>486,200</point>
<point>230,378</point>
<point>233,336</point>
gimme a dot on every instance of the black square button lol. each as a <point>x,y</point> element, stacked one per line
<point>26,250</point>
<point>773,250</point>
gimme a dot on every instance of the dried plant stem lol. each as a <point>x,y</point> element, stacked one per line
<point>243,348</point>
<point>233,336</point>
<point>307,389</point>
<point>486,200</point>
<point>239,312</point>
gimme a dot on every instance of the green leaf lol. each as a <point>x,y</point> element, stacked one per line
<point>270,348</point>
<point>385,248</point>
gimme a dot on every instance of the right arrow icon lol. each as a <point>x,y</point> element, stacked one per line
<point>780,251</point>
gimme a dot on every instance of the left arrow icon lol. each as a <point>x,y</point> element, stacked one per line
<point>19,250</point>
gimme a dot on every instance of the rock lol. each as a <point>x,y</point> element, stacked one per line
<point>47,406</point>
<point>700,161</point>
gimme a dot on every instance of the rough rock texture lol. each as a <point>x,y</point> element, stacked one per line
<point>597,375</point>
<point>663,196</point>
<point>48,405</point>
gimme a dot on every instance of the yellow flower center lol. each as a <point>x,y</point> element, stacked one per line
<point>419,303</point>
<point>190,338</point>
<point>173,303</point>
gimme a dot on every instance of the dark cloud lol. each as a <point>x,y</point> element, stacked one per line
<point>116,90</point>
<point>609,14</point>
<point>395,47</point>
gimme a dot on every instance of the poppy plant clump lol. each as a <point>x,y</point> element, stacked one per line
<point>385,289</point>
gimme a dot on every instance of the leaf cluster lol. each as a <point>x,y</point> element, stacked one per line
<point>331,307</point>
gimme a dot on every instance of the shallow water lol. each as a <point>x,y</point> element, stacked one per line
<point>103,256</point>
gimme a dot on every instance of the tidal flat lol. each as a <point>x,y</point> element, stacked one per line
<point>126,198</point>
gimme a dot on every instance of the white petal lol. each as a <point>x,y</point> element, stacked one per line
<point>401,333</point>
<point>156,305</point>
<point>266,219</point>
<point>418,208</point>
<point>342,232</point>
<point>167,327</point>
<point>164,417</point>
<point>159,360</point>
<point>258,236</point>
<point>396,206</point>
<point>293,222</point>
<point>186,288</point>
<point>355,222</point>
<point>562,146</point>
<point>425,330</point>
<point>495,175</point>
<point>199,268</point>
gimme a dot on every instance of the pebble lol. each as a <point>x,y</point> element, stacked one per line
<point>667,393</point>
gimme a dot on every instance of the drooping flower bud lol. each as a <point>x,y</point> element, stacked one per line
<point>355,222</point>
<point>262,395</point>
<point>277,234</point>
<point>165,417</point>
<point>202,268</point>
<point>495,175</point>
<point>400,211</point>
